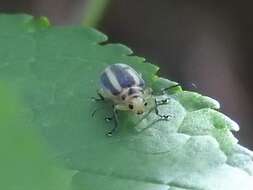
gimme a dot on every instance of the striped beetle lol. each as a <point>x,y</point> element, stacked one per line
<point>126,89</point>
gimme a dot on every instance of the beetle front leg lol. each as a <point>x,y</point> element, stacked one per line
<point>116,121</point>
<point>162,102</point>
<point>115,117</point>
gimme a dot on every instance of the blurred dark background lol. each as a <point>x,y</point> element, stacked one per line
<point>205,42</point>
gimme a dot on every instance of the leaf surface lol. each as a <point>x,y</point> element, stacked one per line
<point>55,72</point>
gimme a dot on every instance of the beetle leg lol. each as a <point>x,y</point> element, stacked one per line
<point>163,117</point>
<point>108,119</point>
<point>100,97</point>
<point>116,121</point>
<point>94,112</point>
<point>162,102</point>
<point>121,107</point>
<point>115,117</point>
<point>97,99</point>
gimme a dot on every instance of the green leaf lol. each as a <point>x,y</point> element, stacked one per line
<point>54,71</point>
<point>24,161</point>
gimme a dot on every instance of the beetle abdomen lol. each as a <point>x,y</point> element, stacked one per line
<point>117,77</point>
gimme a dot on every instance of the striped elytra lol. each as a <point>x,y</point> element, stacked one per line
<point>118,77</point>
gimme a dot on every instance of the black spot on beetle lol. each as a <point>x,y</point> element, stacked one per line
<point>131,106</point>
<point>123,97</point>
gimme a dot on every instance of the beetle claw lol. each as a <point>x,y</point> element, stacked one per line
<point>162,102</point>
<point>109,134</point>
<point>96,99</point>
<point>93,113</point>
<point>164,117</point>
<point>108,119</point>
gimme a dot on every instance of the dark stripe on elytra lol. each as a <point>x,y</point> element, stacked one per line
<point>141,82</point>
<point>106,83</point>
<point>124,78</point>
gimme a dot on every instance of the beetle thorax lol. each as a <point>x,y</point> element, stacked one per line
<point>130,93</point>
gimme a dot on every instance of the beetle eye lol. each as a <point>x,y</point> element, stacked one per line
<point>131,106</point>
<point>146,103</point>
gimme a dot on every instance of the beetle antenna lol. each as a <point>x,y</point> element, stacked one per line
<point>94,112</point>
<point>169,88</point>
<point>99,98</point>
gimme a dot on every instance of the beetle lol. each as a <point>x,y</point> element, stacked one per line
<point>125,87</point>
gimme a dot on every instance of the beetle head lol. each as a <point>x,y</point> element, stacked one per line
<point>137,105</point>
